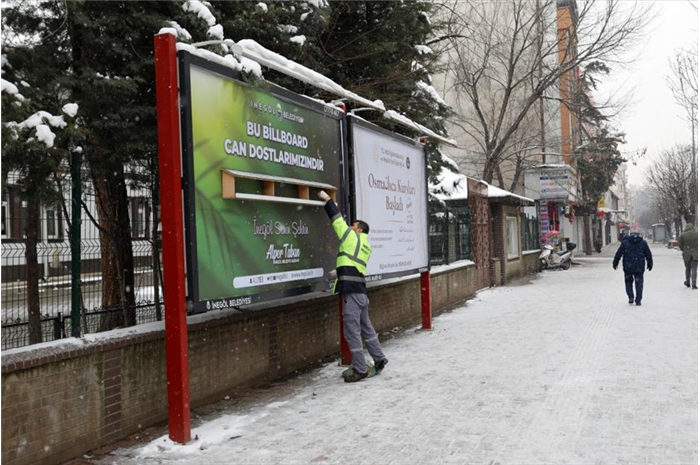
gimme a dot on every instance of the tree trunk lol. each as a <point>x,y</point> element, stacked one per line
<point>678,224</point>
<point>31,256</point>
<point>489,169</point>
<point>518,173</point>
<point>116,251</point>
<point>588,243</point>
<point>499,177</point>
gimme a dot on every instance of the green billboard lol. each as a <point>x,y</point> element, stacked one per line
<point>253,162</point>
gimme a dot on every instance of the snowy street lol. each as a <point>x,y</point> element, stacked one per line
<point>559,370</point>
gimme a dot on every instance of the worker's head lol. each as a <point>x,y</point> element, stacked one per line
<point>360,226</point>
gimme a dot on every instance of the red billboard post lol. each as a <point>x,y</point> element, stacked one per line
<point>170,173</point>
<point>426,310</point>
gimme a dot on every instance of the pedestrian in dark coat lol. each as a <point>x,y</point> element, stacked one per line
<point>688,243</point>
<point>635,254</point>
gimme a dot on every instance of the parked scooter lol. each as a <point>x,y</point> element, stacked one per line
<point>550,259</point>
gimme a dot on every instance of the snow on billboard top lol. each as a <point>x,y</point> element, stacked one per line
<point>390,183</point>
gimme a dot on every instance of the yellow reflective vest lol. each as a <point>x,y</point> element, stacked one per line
<point>354,249</point>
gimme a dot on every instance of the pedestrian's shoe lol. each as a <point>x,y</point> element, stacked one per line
<point>686,283</point>
<point>355,376</point>
<point>631,301</point>
<point>379,366</point>
<point>695,287</point>
<point>638,304</point>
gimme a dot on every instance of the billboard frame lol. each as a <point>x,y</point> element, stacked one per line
<point>186,61</point>
<point>355,120</point>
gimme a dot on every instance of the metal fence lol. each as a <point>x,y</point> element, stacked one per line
<point>54,291</point>
<point>530,231</point>
<point>450,240</point>
<point>450,234</point>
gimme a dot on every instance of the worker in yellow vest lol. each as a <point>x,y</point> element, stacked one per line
<point>353,254</point>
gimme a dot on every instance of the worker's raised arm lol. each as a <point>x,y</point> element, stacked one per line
<point>337,221</point>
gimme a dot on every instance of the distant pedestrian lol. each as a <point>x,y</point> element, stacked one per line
<point>353,254</point>
<point>688,243</point>
<point>635,251</point>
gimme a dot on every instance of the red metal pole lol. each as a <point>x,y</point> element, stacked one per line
<point>345,355</point>
<point>176,352</point>
<point>426,311</point>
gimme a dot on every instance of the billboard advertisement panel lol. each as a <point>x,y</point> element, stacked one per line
<point>253,161</point>
<point>391,195</point>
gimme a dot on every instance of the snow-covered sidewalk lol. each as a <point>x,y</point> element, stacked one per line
<point>561,370</point>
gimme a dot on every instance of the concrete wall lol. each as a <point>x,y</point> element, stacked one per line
<point>60,401</point>
<point>531,262</point>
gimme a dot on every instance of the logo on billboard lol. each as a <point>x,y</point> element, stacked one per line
<point>279,112</point>
<point>408,163</point>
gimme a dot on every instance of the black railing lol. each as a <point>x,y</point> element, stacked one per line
<point>50,299</point>
<point>530,232</point>
<point>450,234</point>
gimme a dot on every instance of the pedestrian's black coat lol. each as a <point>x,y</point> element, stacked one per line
<point>636,253</point>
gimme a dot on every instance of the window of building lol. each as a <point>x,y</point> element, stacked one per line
<point>512,235</point>
<point>23,213</point>
<point>140,215</point>
<point>5,218</point>
<point>53,223</point>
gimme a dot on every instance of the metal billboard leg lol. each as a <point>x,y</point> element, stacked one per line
<point>169,162</point>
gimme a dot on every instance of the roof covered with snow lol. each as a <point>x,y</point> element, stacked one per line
<point>496,192</point>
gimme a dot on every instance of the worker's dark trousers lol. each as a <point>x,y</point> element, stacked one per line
<point>357,327</point>
<point>638,280</point>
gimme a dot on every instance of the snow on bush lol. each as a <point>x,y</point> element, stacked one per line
<point>287,29</point>
<point>181,31</point>
<point>430,90</point>
<point>318,3</point>
<point>11,89</point>
<point>198,8</point>
<point>262,6</point>
<point>423,49</point>
<point>45,135</point>
<point>298,40</point>
<point>42,117</point>
<point>450,185</point>
<point>216,31</point>
<point>70,109</point>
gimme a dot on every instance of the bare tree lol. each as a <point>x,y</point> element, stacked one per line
<point>683,83</point>
<point>515,55</point>
<point>675,184</point>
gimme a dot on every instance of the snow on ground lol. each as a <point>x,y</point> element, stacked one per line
<point>561,370</point>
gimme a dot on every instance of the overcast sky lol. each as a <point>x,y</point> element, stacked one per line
<point>653,120</point>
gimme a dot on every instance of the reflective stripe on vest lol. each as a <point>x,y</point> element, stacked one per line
<point>345,236</point>
<point>354,259</point>
<point>354,255</point>
<point>357,279</point>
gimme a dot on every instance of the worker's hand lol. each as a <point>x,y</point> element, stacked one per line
<point>650,266</point>
<point>614,266</point>
<point>323,196</point>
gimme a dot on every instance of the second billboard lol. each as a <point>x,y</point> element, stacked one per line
<point>390,186</point>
